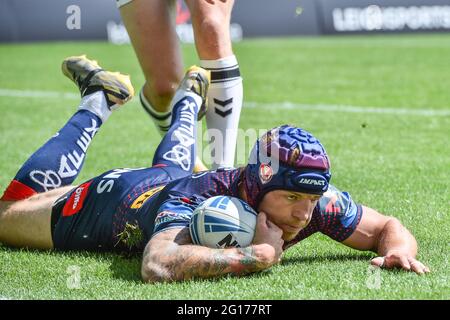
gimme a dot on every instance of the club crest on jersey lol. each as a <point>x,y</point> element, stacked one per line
<point>265,173</point>
<point>76,200</point>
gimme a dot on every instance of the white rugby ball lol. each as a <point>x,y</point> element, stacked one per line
<point>223,221</point>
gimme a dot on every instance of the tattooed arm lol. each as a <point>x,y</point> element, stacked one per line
<point>171,256</point>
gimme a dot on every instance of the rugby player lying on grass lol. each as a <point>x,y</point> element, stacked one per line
<point>148,209</point>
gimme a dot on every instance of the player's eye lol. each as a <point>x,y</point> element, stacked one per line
<point>292,197</point>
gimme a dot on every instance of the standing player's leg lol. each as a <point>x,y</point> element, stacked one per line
<point>25,207</point>
<point>211,22</point>
<point>177,148</point>
<point>151,27</point>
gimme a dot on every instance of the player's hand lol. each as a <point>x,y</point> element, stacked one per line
<point>399,260</point>
<point>270,235</point>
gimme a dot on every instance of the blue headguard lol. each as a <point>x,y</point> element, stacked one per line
<point>287,158</point>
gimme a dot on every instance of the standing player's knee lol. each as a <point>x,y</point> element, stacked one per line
<point>212,38</point>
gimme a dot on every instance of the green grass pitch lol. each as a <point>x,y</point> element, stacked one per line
<point>380,105</point>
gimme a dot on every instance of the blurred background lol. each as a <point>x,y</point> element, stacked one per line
<point>43,20</point>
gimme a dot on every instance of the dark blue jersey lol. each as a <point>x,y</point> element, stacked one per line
<point>97,213</point>
<point>123,208</point>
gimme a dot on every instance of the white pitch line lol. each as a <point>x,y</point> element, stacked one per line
<point>349,109</point>
<point>37,94</point>
<point>273,106</point>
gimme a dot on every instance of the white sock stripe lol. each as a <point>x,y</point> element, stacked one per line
<point>223,68</point>
<point>152,112</point>
<point>143,99</point>
<point>226,80</point>
<point>219,63</point>
<point>15,93</point>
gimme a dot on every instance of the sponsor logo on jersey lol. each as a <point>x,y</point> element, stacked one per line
<point>139,202</point>
<point>265,173</point>
<point>76,200</point>
<point>168,216</point>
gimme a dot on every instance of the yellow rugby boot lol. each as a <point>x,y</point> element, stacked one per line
<point>197,80</point>
<point>90,77</point>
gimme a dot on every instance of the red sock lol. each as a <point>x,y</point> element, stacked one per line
<point>17,191</point>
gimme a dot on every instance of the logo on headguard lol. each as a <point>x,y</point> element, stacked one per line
<point>265,173</point>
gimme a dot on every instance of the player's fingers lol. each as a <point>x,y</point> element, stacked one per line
<point>263,222</point>
<point>266,220</point>
<point>274,228</point>
<point>377,262</point>
<point>262,218</point>
<point>416,267</point>
<point>404,263</point>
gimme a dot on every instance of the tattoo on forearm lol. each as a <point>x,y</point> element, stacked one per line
<point>183,261</point>
<point>191,264</point>
<point>248,257</point>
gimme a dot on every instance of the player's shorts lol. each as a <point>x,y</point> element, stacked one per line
<point>76,225</point>
<point>90,216</point>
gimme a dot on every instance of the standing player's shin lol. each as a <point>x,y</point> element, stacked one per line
<point>225,104</point>
<point>211,23</point>
<point>152,30</point>
<point>178,147</point>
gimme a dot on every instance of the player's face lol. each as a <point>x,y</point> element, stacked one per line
<point>290,211</point>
